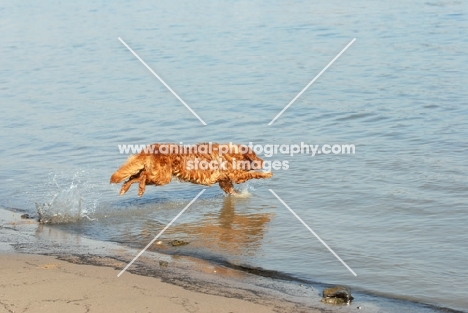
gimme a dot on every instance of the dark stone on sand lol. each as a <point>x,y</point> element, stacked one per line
<point>25,216</point>
<point>176,243</point>
<point>337,295</point>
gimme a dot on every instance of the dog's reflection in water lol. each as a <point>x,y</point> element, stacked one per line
<point>233,231</point>
<point>228,231</point>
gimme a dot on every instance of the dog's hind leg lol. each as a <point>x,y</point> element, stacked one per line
<point>227,186</point>
<point>142,185</point>
<point>128,183</point>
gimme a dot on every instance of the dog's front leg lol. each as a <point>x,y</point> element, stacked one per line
<point>240,178</point>
<point>227,186</point>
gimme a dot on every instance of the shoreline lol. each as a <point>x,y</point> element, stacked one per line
<point>23,238</point>
<point>204,287</point>
<point>46,284</point>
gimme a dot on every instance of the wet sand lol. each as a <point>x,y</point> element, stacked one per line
<point>47,270</point>
<point>35,283</point>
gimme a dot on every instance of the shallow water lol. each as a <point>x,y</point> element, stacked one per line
<point>395,212</point>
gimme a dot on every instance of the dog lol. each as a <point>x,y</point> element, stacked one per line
<point>203,164</point>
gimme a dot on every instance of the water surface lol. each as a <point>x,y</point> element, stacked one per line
<point>395,212</point>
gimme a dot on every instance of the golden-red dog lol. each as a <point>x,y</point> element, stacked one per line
<point>203,164</point>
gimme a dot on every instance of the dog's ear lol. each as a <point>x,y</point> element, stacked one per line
<point>251,156</point>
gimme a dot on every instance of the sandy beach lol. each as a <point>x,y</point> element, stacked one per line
<point>35,283</point>
<point>47,270</point>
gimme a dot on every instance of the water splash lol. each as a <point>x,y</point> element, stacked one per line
<point>244,192</point>
<point>67,204</point>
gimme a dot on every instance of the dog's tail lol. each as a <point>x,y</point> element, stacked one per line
<point>133,166</point>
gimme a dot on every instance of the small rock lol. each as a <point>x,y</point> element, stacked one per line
<point>337,295</point>
<point>176,243</point>
<point>163,263</point>
<point>25,216</point>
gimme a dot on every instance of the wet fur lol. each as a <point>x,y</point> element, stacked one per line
<point>159,169</point>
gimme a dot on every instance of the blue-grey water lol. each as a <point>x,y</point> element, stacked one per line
<point>395,211</point>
